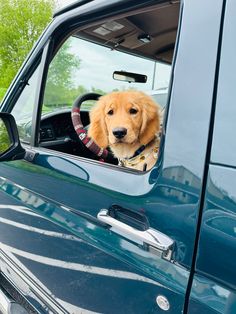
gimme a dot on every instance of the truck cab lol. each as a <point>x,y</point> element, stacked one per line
<point>81,235</point>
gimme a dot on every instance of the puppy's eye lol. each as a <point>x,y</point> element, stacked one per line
<point>133,111</point>
<point>110,112</point>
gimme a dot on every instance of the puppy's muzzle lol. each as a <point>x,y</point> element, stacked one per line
<point>119,132</point>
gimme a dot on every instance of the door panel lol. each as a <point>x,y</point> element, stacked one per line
<point>63,256</point>
<point>214,283</point>
<point>224,145</point>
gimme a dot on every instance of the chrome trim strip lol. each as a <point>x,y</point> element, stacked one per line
<point>4,303</point>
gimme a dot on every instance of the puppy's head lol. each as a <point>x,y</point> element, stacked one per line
<point>124,118</point>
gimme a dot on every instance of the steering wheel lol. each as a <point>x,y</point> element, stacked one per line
<point>102,153</point>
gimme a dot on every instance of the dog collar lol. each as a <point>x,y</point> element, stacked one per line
<point>138,151</point>
<point>141,149</point>
<point>139,159</point>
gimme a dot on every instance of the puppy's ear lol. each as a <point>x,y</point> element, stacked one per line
<point>150,120</point>
<point>97,129</point>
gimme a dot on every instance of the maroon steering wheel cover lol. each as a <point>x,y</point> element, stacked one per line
<point>81,131</point>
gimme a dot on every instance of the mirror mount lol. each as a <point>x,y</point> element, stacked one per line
<point>129,77</point>
<point>11,148</point>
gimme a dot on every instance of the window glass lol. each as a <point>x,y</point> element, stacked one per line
<point>112,57</point>
<point>23,109</point>
<point>224,144</point>
<point>81,66</point>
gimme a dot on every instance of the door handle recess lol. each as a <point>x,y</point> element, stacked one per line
<point>152,240</point>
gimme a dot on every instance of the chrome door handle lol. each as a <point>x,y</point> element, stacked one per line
<point>151,239</point>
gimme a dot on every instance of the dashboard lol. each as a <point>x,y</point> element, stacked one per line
<point>57,133</point>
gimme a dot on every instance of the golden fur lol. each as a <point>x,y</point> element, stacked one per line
<point>132,110</point>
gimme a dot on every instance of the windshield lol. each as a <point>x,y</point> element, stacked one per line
<point>81,66</point>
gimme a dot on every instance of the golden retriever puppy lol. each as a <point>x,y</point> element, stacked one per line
<point>129,123</point>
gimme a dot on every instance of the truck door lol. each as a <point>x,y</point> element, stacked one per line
<point>213,288</point>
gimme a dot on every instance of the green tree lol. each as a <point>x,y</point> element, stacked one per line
<point>22,22</point>
<point>60,88</point>
<point>5,142</point>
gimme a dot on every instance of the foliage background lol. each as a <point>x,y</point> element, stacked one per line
<point>5,141</point>
<point>22,22</point>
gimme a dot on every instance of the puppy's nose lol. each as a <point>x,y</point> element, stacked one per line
<point>119,132</point>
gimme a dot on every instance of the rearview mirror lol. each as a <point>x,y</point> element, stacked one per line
<point>129,77</point>
<point>10,147</point>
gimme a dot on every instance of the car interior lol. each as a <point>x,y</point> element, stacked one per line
<point>148,34</point>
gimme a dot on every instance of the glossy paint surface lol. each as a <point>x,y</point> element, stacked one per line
<point>217,247</point>
<point>224,144</point>
<point>213,289</point>
<point>71,270</point>
<point>160,273</point>
<point>211,297</point>
<point>66,260</point>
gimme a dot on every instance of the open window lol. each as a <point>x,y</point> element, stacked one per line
<point>132,52</point>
